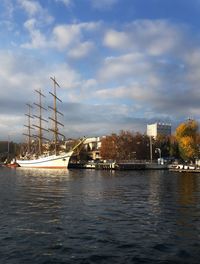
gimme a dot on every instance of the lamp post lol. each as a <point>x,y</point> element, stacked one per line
<point>159,151</point>
<point>150,141</point>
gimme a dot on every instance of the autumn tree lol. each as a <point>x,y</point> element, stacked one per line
<point>125,146</point>
<point>187,136</point>
<point>174,148</point>
<point>109,147</point>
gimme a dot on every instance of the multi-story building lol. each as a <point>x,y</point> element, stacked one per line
<point>153,130</point>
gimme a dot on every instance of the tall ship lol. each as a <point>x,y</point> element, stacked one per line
<point>41,152</point>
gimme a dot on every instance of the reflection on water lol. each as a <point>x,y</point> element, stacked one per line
<point>188,186</point>
<point>42,172</point>
<point>88,216</point>
<point>154,189</point>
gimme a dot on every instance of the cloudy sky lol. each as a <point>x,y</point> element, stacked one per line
<point>121,64</point>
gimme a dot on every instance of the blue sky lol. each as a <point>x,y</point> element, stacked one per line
<point>122,64</point>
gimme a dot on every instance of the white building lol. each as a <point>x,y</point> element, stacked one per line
<point>93,145</point>
<point>153,130</point>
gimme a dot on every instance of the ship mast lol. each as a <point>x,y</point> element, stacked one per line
<point>40,119</point>
<point>54,119</point>
<point>29,127</point>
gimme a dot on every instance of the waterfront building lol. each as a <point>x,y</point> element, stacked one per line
<point>153,130</point>
<point>92,146</point>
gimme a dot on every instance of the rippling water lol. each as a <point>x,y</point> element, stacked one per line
<point>88,216</point>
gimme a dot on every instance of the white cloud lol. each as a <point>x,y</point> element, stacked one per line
<point>141,95</point>
<point>34,10</point>
<point>131,64</point>
<point>141,66</point>
<point>70,34</point>
<point>152,37</point>
<point>38,39</point>
<point>31,7</point>
<point>66,36</point>
<point>81,50</point>
<point>18,75</point>
<point>21,74</point>
<point>90,83</point>
<point>67,77</point>
<point>117,40</point>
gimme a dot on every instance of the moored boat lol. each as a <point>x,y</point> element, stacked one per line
<point>45,159</point>
<point>51,161</point>
<point>12,165</point>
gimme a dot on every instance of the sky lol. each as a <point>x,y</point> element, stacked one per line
<point>121,64</point>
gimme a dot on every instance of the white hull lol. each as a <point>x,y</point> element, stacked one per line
<point>53,161</point>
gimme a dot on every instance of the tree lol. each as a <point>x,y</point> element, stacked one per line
<point>125,146</point>
<point>174,148</point>
<point>187,136</point>
<point>109,147</point>
<point>141,146</point>
<point>189,128</point>
<point>163,142</point>
<point>187,148</point>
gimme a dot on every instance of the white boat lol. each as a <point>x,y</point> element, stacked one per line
<point>37,158</point>
<point>52,161</point>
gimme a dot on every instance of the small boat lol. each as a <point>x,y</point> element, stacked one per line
<point>12,165</point>
<point>184,168</point>
<point>48,159</point>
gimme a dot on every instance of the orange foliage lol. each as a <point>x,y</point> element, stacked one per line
<point>189,128</point>
<point>109,147</point>
<point>188,147</point>
<point>187,137</point>
<point>125,146</point>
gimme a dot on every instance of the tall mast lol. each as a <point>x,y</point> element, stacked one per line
<point>55,128</point>
<point>29,127</point>
<point>40,119</point>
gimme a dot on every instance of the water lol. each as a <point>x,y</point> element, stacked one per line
<point>88,216</point>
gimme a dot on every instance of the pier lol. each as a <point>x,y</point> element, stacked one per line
<point>185,168</point>
<point>123,165</point>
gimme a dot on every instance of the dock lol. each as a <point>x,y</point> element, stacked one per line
<point>118,166</point>
<point>184,168</point>
<point>106,166</point>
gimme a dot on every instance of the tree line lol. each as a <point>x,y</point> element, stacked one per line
<point>184,144</point>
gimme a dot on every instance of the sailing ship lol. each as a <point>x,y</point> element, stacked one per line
<point>35,156</point>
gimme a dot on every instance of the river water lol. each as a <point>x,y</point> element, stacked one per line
<point>89,216</point>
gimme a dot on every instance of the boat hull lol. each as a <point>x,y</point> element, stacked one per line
<point>53,161</point>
